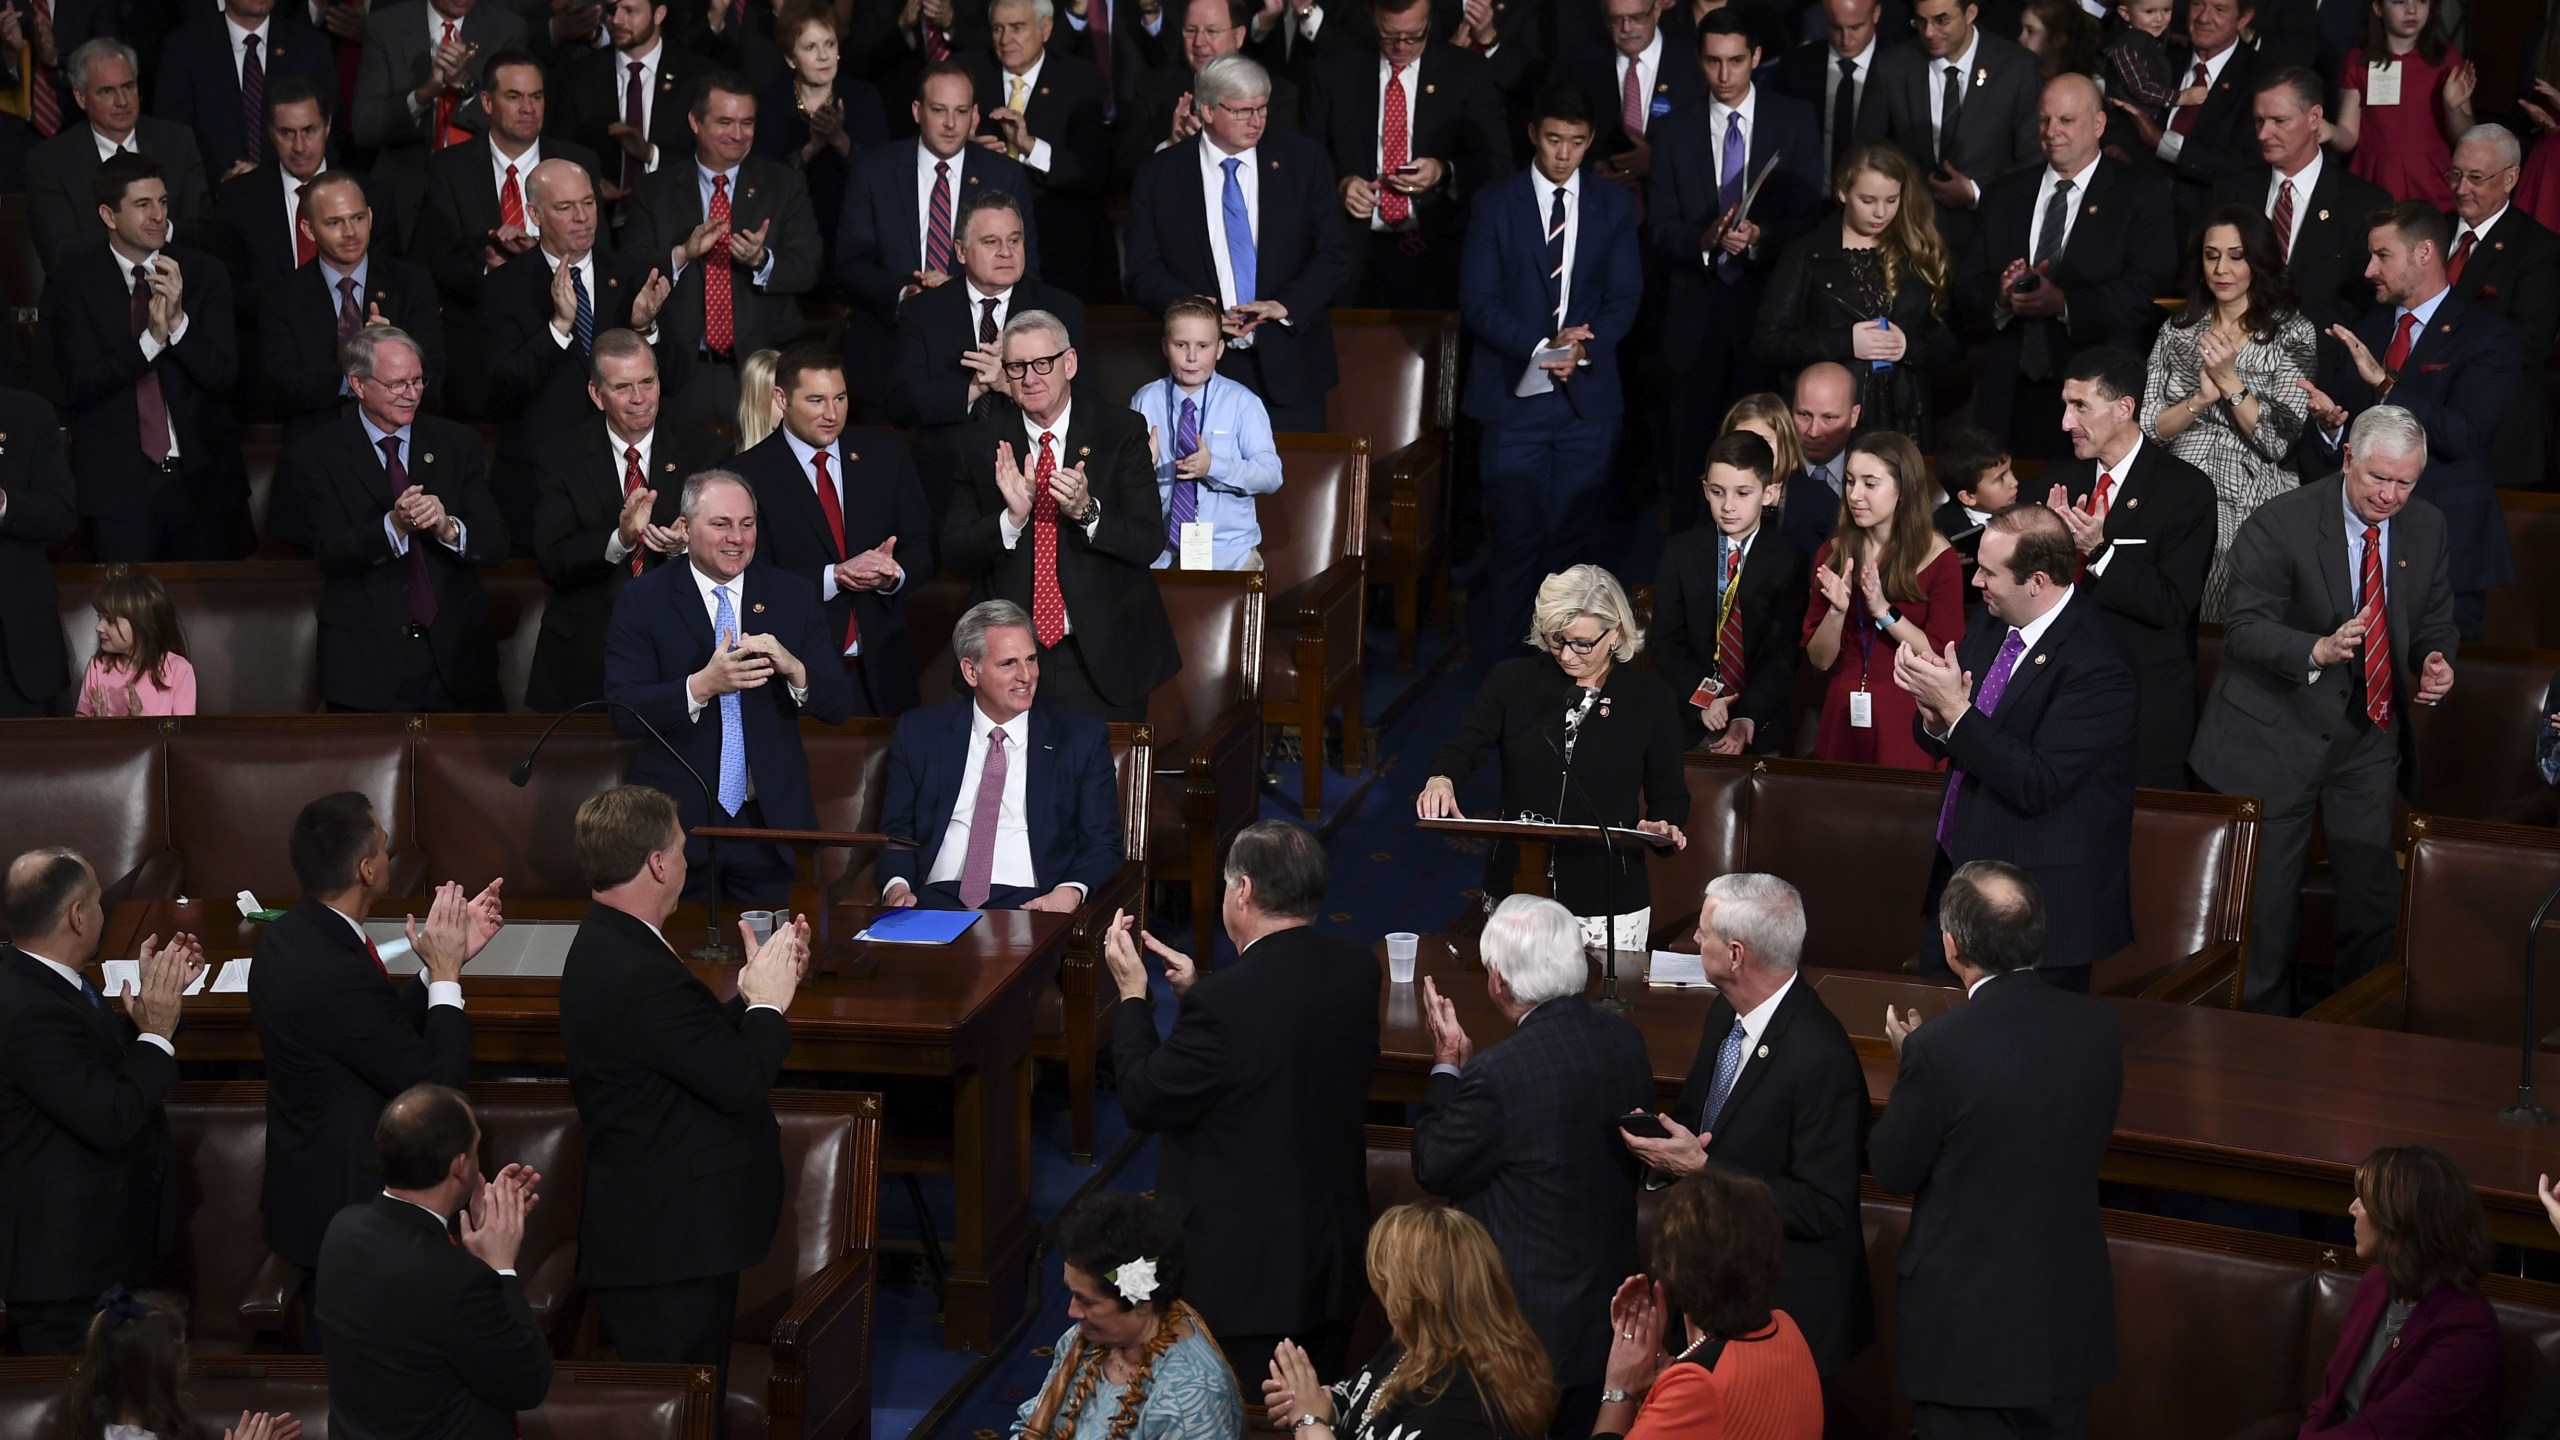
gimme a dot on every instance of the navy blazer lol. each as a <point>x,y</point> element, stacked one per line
<point>880,499</point>
<point>198,82</point>
<point>1071,794</point>
<point>1503,295</point>
<point>1683,203</point>
<point>2046,780</point>
<point>661,633</point>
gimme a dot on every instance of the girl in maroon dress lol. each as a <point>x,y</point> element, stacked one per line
<point>2401,110</point>
<point>1887,579</point>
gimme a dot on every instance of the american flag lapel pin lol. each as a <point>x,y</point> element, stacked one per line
<point>669,467</point>
<point>751,192</point>
<point>2042,658</point>
<point>1044,89</point>
<point>1764,1052</point>
<point>1083,450</point>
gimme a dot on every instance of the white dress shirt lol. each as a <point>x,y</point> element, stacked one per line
<point>80,982</point>
<point>2028,634</point>
<point>615,552</point>
<point>151,344</point>
<point>2045,184</point>
<point>706,586</point>
<point>1037,157</point>
<point>1864,69</point>
<point>1754,1025</point>
<point>1719,118</point>
<point>1013,824</point>
<point>1648,68</point>
<point>2171,142</point>
<point>978,307</point>
<point>804,452</point>
<point>131,144</point>
<point>1938,89</point>
<point>1412,88</point>
<point>1213,186</point>
<point>2304,182</point>
<point>2479,232</point>
<point>439,992</point>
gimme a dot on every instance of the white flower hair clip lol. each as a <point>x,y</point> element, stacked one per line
<point>1136,1281</point>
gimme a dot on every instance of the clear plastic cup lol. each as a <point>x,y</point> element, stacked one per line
<point>1400,951</point>
<point>761,922</point>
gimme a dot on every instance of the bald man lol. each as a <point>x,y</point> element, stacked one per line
<point>2071,256</point>
<point>1827,414</point>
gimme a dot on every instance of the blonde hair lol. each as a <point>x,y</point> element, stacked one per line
<point>1774,412</point>
<point>759,410</point>
<point>1449,1301</point>
<point>1912,237</point>
<point>1580,590</point>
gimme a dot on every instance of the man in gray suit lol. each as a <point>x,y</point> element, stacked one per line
<point>105,79</point>
<point>2340,616</point>
<point>420,82</point>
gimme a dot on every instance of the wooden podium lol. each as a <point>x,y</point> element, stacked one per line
<point>1533,838</point>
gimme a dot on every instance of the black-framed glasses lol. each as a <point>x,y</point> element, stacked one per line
<point>1585,647</point>
<point>1016,369</point>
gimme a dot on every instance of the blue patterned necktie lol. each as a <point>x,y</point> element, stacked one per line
<point>1728,1065</point>
<point>585,325</point>
<point>91,991</point>
<point>733,735</point>
<point>1729,191</point>
<point>1239,225</point>
<point>1184,507</point>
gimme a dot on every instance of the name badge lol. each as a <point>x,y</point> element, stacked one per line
<point>1195,546</point>
<point>1862,710</point>
<point>2382,84</point>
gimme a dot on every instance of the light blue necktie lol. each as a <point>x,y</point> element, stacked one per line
<point>1728,1065</point>
<point>733,733</point>
<point>1239,231</point>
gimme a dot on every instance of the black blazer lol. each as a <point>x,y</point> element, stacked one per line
<point>297,360</point>
<point>1995,122</point>
<point>462,192</point>
<point>62,215</point>
<point>2152,591</point>
<point>879,498</point>
<point>340,1040</point>
<point>1809,513</point>
<point>254,242</point>
<point>83,1139</point>
<point>538,386</point>
<point>1457,120</point>
<point>1065,109</point>
<point>1146,117</point>
<point>684,1159</point>
<point>1804,74</point>
<point>1261,1092</point>
<point>1630,746</point>
<point>424,1338</point>
<point>929,393</point>
<point>1797,1119</point>
<point>2224,142</point>
<point>1302,251</point>
<point>2514,274</point>
<point>1815,299</point>
<point>2328,258</point>
<point>1963,533</point>
<point>1683,204</point>
<point>37,480</point>
<point>1108,581</point>
<point>763,317</point>
<point>1525,1139</point>
<point>343,489</point>
<point>781,130</point>
<point>2000,1116</point>
<point>577,507</point>
<point>90,304</point>
<point>1593,70</point>
<point>2046,782</point>
<point>1776,583</point>
<point>2120,255</point>
<point>586,103</point>
<point>198,83</point>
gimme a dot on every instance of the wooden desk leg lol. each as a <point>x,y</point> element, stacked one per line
<point>991,1175</point>
<point>1531,877</point>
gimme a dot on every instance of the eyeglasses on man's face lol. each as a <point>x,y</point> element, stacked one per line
<point>414,385</point>
<point>1042,365</point>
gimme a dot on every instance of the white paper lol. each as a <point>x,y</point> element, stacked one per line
<point>1537,381</point>
<point>248,904</point>
<point>234,979</point>
<point>2382,84</point>
<point>1862,710</point>
<point>1196,554</point>
<point>122,975</point>
<point>1670,967</point>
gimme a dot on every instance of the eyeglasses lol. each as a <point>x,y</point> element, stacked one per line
<point>2474,177</point>
<point>413,386</point>
<point>1016,369</point>
<point>1403,37</point>
<point>1585,647</point>
<point>1246,112</point>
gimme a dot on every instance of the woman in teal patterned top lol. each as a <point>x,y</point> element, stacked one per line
<point>1140,1364</point>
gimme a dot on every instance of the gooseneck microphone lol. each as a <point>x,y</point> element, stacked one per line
<point>715,950</point>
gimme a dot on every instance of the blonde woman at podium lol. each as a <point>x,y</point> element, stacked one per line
<point>1585,739</point>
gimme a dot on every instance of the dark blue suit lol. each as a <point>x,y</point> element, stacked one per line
<point>661,633</point>
<point>1546,457</point>
<point>199,84</point>
<point>1070,796</point>
<point>880,247</point>
<point>2463,368</point>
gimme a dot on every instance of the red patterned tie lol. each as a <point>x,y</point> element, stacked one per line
<point>719,332</point>
<point>511,201</point>
<point>444,132</point>
<point>833,506</point>
<point>2461,256</point>
<point>2398,354</point>
<point>2283,218</point>
<point>1631,100</point>
<point>44,108</point>
<point>2183,123</point>
<point>1729,634</point>
<point>1048,604</point>
<point>936,48</point>
<point>2377,633</point>
<point>937,221</point>
<point>632,480</point>
<point>1395,148</point>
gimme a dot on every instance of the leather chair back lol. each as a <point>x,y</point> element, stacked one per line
<point>535,1122</point>
<point>1853,840</point>
<point>1123,352</point>
<point>517,597</point>
<point>472,823</point>
<point>848,765</point>
<point>218,1165</point>
<point>1719,796</point>
<point>587,1402</point>
<point>830,1198</point>
<point>1399,375</point>
<point>1320,512</point>
<point>2476,748</point>
<point>1217,629</point>
<point>2220,1345</point>
<point>2467,892</point>
<point>100,787</point>
<point>2528,612</point>
<point>235,786</point>
<point>252,629</point>
<point>2194,866</point>
<point>934,608</point>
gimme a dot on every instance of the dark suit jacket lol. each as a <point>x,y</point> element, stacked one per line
<point>340,1041</point>
<point>1261,1092</point>
<point>661,633</point>
<point>254,243</point>
<point>90,304</point>
<point>462,191</point>
<point>1776,584</point>
<point>1593,70</point>
<point>398,59</point>
<point>1302,252</point>
<point>2463,371</point>
<point>1457,120</point>
<point>2328,257</point>
<point>577,507</point>
<point>586,103</point>
<point>62,216</point>
<point>1107,581</point>
<point>2224,142</point>
<point>82,1138</point>
<point>1065,109</point>
<point>1995,122</point>
<point>1525,1139</point>
<point>1804,74</point>
<point>1071,794</point>
<point>2116,261</point>
<point>1683,205</point>
<point>930,390</point>
<point>879,498</point>
<point>2443,1373</point>
<point>198,82</point>
<point>1797,1119</point>
<point>674,1085</point>
<point>538,386</point>
<point>37,480</point>
<point>297,361</point>
<point>424,1338</point>
<point>1502,294</point>
<point>2000,1114</point>
<point>2046,781</point>
<point>343,490</point>
<point>2152,591</point>
<point>2266,723</point>
<point>764,317</point>
<point>2514,274</point>
<point>1810,514</point>
<point>880,244</point>
<point>1146,117</point>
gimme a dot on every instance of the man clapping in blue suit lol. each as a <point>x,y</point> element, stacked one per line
<point>1013,807</point>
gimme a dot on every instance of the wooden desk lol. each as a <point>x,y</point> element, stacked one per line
<point>2216,1102</point>
<point>960,1012</point>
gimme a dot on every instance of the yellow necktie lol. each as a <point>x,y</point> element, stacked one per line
<point>1013,102</point>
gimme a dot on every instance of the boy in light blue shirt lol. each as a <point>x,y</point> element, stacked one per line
<point>1211,439</point>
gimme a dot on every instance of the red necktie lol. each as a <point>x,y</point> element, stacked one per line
<point>2283,218</point>
<point>719,332</point>
<point>1395,148</point>
<point>147,400</point>
<point>833,505</point>
<point>633,117</point>
<point>2398,354</point>
<point>631,483</point>
<point>350,315</point>
<point>511,201</point>
<point>2184,121</point>
<point>444,133</point>
<point>377,958</point>
<point>2461,255</point>
<point>2377,633</point>
<point>304,247</point>
<point>1631,100</point>
<point>1048,604</point>
<point>1729,634</point>
<point>936,48</point>
<point>44,108</point>
<point>2106,491</point>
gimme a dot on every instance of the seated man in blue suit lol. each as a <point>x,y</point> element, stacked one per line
<point>1552,270</point>
<point>994,831</point>
<point>695,651</point>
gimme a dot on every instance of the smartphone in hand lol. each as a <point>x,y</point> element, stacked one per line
<point>1644,1123</point>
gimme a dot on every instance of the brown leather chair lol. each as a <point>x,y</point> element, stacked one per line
<point>2476,747</point>
<point>535,1123</point>
<point>800,1367</point>
<point>236,1288</point>
<point>2468,888</point>
<point>600,1401</point>
<point>848,764</point>
<point>235,786</point>
<point>1855,841</point>
<point>2528,612</point>
<point>100,787</point>
<point>933,612</point>
<point>1400,388</point>
<point>1207,723</point>
<point>473,825</point>
<point>252,628</point>
<point>517,598</point>
<point>1719,795</point>
<point>2195,869</point>
<point>1315,538</point>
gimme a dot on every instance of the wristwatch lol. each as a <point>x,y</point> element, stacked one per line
<point>1092,511</point>
<point>1615,1396</point>
<point>1890,618</point>
<point>2236,396</point>
<point>1310,1418</point>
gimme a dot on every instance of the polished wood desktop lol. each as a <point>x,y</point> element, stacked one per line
<point>2216,1102</point>
<point>960,1012</point>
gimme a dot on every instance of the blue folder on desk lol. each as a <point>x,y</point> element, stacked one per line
<point>918,926</point>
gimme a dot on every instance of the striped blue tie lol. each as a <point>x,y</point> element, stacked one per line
<point>1555,261</point>
<point>585,324</point>
<point>733,733</point>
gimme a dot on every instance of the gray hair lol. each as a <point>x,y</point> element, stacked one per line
<point>699,482</point>
<point>1535,945</point>
<point>1761,913</point>
<point>2497,137</point>
<point>1286,864</point>
<point>1570,594</point>
<point>1024,322</point>
<point>969,637</point>
<point>2386,430</point>
<point>105,47</point>
<point>619,343</point>
<point>362,345</point>
<point>1229,77</point>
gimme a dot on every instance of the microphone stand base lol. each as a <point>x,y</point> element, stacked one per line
<point>1609,1001</point>
<point>716,952</point>
<point>2525,1112</point>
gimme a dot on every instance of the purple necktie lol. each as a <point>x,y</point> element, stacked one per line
<point>1729,189</point>
<point>1994,685</point>
<point>253,103</point>
<point>1185,505</point>
<point>422,585</point>
<point>978,867</point>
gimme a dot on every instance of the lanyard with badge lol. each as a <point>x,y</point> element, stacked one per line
<point>1195,551</point>
<point>1862,704</point>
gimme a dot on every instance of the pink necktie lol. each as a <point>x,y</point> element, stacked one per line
<point>978,868</point>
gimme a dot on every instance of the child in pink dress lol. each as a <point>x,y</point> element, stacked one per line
<point>2399,115</point>
<point>141,666</point>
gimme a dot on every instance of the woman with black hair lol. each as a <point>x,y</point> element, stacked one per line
<point>130,1382</point>
<point>1140,1364</point>
<point>2419,1355</point>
